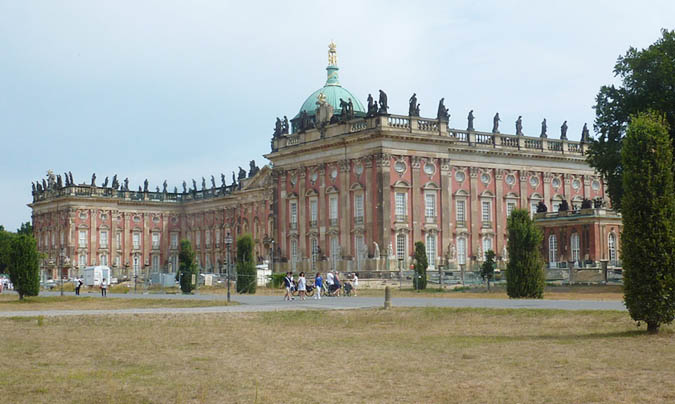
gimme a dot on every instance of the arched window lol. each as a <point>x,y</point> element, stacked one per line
<point>552,251</point>
<point>574,246</point>
<point>611,244</point>
<point>461,251</point>
<point>431,250</point>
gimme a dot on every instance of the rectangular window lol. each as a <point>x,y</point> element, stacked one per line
<point>313,212</point>
<point>198,238</point>
<point>431,251</point>
<point>104,239</point>
<point>315,250</point>
<point>104,259</point>
<point>401,205</point>
<point>83,239</point>
<point>400,247</point>
<point>486,212</point>
<point>361,251</point>
<point>574,244</point>
<point>333,213</point>
<point>294,253</point>
<point>136,240</point>
<point>460,212</point>
<point>155,263</point>
<point>510,206</point>
<point>461,251</point>
<point>61,237</point>
<point>294,214</point>
<point>118,240</point>
<point>117,262</point>
<point>208,262</point>
<point>53,239</point>
<point>155,240</point>
<point>533,208</point>
<point>487,246</point>
<point>174,240</point>
<point>430,205</point>
<point>217,237</point>
<point>207,238</point>
<point>83,260</point>
<point>174,263</point>
<point>358,207</point>
<point>334,251</point>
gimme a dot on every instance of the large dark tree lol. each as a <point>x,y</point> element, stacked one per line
<point>23,265</point>
<point>525,270</point>
<point>26,228</point>
<point>648,238</point>
<point>647,83</point>
<point>187,267</point>
<point>487,269</point>
<point>5,239</point>
<point>246,270</point>
<point>421,265</point>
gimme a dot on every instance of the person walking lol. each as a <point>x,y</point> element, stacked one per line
<point>355,282</point>
<point>337,285</point>
<point>104,288</point>
<point>318,284</point>
<point>78,285</point>
<point>302,286</point>
<point>330,281</point>
<point>287,284</point>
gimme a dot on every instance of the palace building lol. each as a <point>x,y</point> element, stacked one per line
<point>350,187</point>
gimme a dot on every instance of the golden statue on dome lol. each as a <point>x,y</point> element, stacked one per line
<point>332,54</point>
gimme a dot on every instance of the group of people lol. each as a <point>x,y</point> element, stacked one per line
<point>5,284</point>
<point>331,286</point>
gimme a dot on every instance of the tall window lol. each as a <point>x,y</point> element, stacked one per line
<point>461,250</point>
<point>431,250</point>
<point>174,240</point>
<point>430,205</point>
<point>104,238</point>
<point>217,237</point>
<point>313,212</point>
<point>486,212</point>
<point>487,246</point>
<point>136,264</point>
<point>207,238</point>
<point>611,244</point>
<point>333,213</point>
<point>460,206</point>
<point>294,253</point>
<point>358,208</point>
<point>314,242</point>
<point>294,214</point>
<point>552,250</point>
<point>117,261</point>
<point>174,263</point>
<point>400,246</point>
<point>574,246</point>
<point>198,238</point>
<point>53,239</point>
<point>104,259</point>
<point>136,240</point>
<point>82,242</point>
<point>118,241</point>
<point>360,247</point>
<point>533,208</point>
<point>61,237</point>
<point>510,206</point>
<point>401,205</point>
<point>83,261</point>
<point>155,240</point>
<point>334,251</point>
<point>208,263</point>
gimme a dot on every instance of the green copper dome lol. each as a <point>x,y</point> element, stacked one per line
<point>333,91</point>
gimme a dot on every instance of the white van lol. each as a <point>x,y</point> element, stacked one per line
<point>94,276</point>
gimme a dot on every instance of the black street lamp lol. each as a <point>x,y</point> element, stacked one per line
<point>228,245</point>
<point>61,258</point>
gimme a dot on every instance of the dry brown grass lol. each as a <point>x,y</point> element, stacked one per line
<point>421,355</point>
<point>12,303</point>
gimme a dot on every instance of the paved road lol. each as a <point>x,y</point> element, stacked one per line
<point>275,303</point>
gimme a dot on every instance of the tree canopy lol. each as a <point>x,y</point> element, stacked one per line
<point>26,228</point>
<point>647,83</point>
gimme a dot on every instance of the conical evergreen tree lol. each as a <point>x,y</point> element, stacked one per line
<point>246,270</point>
<point>525,270</point>
<point>421,264</point>
<point>648,209</point>
<point>186,266</point>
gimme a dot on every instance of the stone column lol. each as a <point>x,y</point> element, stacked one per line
<point>383,205</point>
<point>345,211</point>
<point>474,210</point>
<point>446,211</point>
<point>322,210</point>
<point>302,240</point>
<point>587,186</point>
<point>282,207</point>
<point>547,191</point>
<point>524,202</point>
<point>416,218</point>
<point>369,208</point>
<point>567,181</point>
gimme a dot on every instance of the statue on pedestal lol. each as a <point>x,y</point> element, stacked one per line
<point>495,123</point>
<point>222,180</point>
<point>93,180</point>
<point>383,103</point>
<point>543,129</point>
<point>115,183</point>
<point>372,106</point>
<point>59,184</point>
<point>203,184</point>
<point>70,175</point>
<point>126,184</point>
<point>194,185</point>
<point>277,128</point>
<point>145,185</point>
<point>213,182</point>
<point>105,182</point>
<point>284,126</point>
<point>585,137</point>
<point>164,185</point>
<point>184,187</point>
<point>242,174</point>
<point>563,131</point>
<point>413,107</point>
<point>442,113</point>
<point>519,126</point>
<point>470,118</point>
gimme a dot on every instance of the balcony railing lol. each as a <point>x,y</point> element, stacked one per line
<point>358,220</point>
<point>430,219</point>
<point>401,218</point>
<point>313,223</point>
<point>293,226</point>
<point>333,222</point>
<point>461,223</point>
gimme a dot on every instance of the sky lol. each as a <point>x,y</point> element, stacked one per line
<point>175,90</point>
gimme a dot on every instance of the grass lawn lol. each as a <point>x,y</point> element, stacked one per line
<point>419,355</point>
<point>12,303</point>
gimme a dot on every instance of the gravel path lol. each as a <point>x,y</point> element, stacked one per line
<point>276,303</point>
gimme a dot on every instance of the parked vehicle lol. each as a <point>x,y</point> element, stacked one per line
<point>94,276</point>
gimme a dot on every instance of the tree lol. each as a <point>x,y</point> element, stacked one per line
<point>246,270</point>
<point>187,267</point>
<point>648,238</point>
<point>648,82</point>
<point>26,228</point>
<point>5,240</point>
<point>421,264</point>
<point>23,265</point>
<point>487,270</point>
<point>525,270</point>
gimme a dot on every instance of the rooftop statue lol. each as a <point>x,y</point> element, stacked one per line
<point>241,175</point>
<point>350,109</point>
<point>585,137</point>
<point>324,111</point>
<point>344,110</point>
<point>213,182</point>
<point>277,128</point>
<point>44,184</point>
<point>253,169</point>
<point>519,125</point>
<point>65,177</point>
<point>203,183</point>
<point>33,186</point>
<point>413,107</point>
<point>93,180</point>
<point>543,129</point>
<point>372,106</point>
<point>139,189</point>
<point>442,114</point>
<point>145,185</point>
<point>470,118</point>
<point>184,187</point>
<point>384,107</point>
<point>332,54</point>
<point>70,175</point>
<point>157,189</point>
<point>164,184</point>
<point>194,185</point>
<point>175,190</point>
<point>59,184</point>
<point>222,180</point>
<point>564,206</point>
<point>495,123</point>
<point>234,180</point>
<point>541,207</point>
<point>126,184</point>
<point>105,182</point>
<point>115,183</point>
<point>284,126</point>
<point>563,131</point>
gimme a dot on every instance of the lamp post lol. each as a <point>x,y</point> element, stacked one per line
<point>61,256</point>
<point>272,256</point>
<point>228,244</point>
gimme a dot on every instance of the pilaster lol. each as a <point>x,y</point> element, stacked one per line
<point>445,213</point>
<point>500,214</point>
<point>474,211</point>
<point>416,218</point>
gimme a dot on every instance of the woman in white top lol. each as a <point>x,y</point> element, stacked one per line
<point>302,286</point>
<point>355,282</point>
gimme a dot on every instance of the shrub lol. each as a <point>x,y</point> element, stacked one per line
<point>487,270</point>
<point>421,264</point>
<point>187,267</point>
<point>246,270</point>
<point>23,265</point>
<point>277,280</point>
<point>525,270</point>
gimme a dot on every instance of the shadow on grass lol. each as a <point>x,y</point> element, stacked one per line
<point>566,338</point>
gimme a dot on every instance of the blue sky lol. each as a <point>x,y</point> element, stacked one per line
<point>183,89</point>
